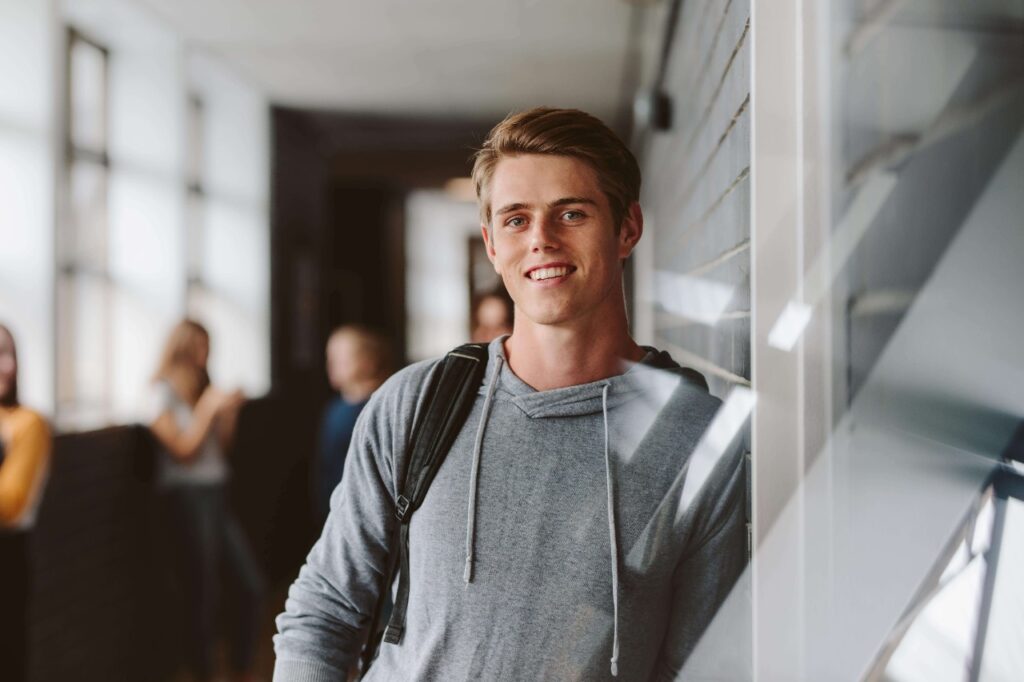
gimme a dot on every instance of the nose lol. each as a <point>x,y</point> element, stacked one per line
<point>542,235</point>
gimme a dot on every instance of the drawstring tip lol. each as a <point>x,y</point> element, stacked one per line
<point>615,668</point>
<point>467,574</point>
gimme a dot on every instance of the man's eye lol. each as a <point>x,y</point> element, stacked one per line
<point>517,221</point>
<point>572,215</point>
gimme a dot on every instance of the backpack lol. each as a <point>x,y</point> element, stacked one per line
<point>450,396</point>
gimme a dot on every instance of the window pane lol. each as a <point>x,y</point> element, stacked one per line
<point>83,339</point>
<point>86,245</point>
<point>938,644</point>
<point>926,107</point>
<point>87,79</point>
<point>195,216</point>
<point>194,150</point>
<point>1003,658</point>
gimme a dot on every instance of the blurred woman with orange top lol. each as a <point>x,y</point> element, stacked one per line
<point>24,463</point>
<point>194,423</point>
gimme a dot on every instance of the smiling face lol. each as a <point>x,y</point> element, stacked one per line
<point>554,243</point>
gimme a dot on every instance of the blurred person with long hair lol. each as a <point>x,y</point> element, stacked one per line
<point>194,423</point>
<point>359,360</point>
<point>25,446</point>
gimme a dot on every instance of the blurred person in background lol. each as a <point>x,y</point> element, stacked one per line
<point>194,423</point>
<point>359,360</point>
<point>491,316</point>
<point>24,462</point>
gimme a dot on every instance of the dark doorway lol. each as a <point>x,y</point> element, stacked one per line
<point>338,189</point>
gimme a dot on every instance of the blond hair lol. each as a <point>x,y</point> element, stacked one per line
<point>371,344</point>
<point>177,362</point>
<point>561,132</point>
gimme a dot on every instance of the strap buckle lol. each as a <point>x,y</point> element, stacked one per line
<point>392,634</point>
<point>402,507</point>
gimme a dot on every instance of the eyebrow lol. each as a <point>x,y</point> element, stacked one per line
<point>564,201</point>
<point>510,208</point>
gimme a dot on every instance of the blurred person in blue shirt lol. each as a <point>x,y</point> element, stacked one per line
<point>359,360</point>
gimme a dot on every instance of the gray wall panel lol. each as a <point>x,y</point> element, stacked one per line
<point>697,189</point>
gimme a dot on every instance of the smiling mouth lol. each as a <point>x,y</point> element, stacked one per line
<point>540,274</point>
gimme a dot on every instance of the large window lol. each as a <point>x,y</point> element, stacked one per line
<point>133,181</point>
<point>226,255</point>
<point>83,287</point>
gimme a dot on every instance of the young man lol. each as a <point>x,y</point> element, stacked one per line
<point>561,538</point>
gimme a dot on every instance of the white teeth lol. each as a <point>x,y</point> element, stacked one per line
<point>548,273</point>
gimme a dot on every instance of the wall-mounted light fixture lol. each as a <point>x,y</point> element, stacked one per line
<point>653,110</point>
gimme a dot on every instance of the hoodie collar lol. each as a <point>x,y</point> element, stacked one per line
<point>637,378</point>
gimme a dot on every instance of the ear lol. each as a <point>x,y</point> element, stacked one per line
<point>631,230</point>
<point>491,255</point>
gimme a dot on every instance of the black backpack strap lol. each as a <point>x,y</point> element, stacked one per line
<point>449,398</point>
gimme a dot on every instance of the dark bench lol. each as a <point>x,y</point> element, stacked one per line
<point>93,587</point>
<point>105,605</point>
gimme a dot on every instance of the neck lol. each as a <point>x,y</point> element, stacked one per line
<point>359,391</point>
<point>547,357</point>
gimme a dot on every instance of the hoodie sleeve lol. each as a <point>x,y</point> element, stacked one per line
<point>707,570</point>
<point>330,604</point>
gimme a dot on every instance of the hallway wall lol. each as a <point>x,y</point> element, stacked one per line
<point>694,286</point>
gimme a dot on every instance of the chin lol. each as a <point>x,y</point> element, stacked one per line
<point>548,316</point>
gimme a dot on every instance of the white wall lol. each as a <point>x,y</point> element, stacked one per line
<point>28,77</point>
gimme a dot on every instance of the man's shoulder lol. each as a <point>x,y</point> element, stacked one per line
<point>416,376</point>
<point>694,378</point>
<point>411,377</point>
<point>690,386</point>
<point>389,417</point>
<point>402,394</point>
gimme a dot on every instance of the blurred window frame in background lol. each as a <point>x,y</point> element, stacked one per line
<point>195,207</point>
<point>83,319</point>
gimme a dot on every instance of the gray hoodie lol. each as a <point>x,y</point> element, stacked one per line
<point>560,540</point>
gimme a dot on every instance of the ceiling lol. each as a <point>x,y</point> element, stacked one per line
<point>470,58</point>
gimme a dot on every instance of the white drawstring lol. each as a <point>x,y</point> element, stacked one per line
<point>474,475</point>
<point>609,485</point>
<point>612,536</point>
